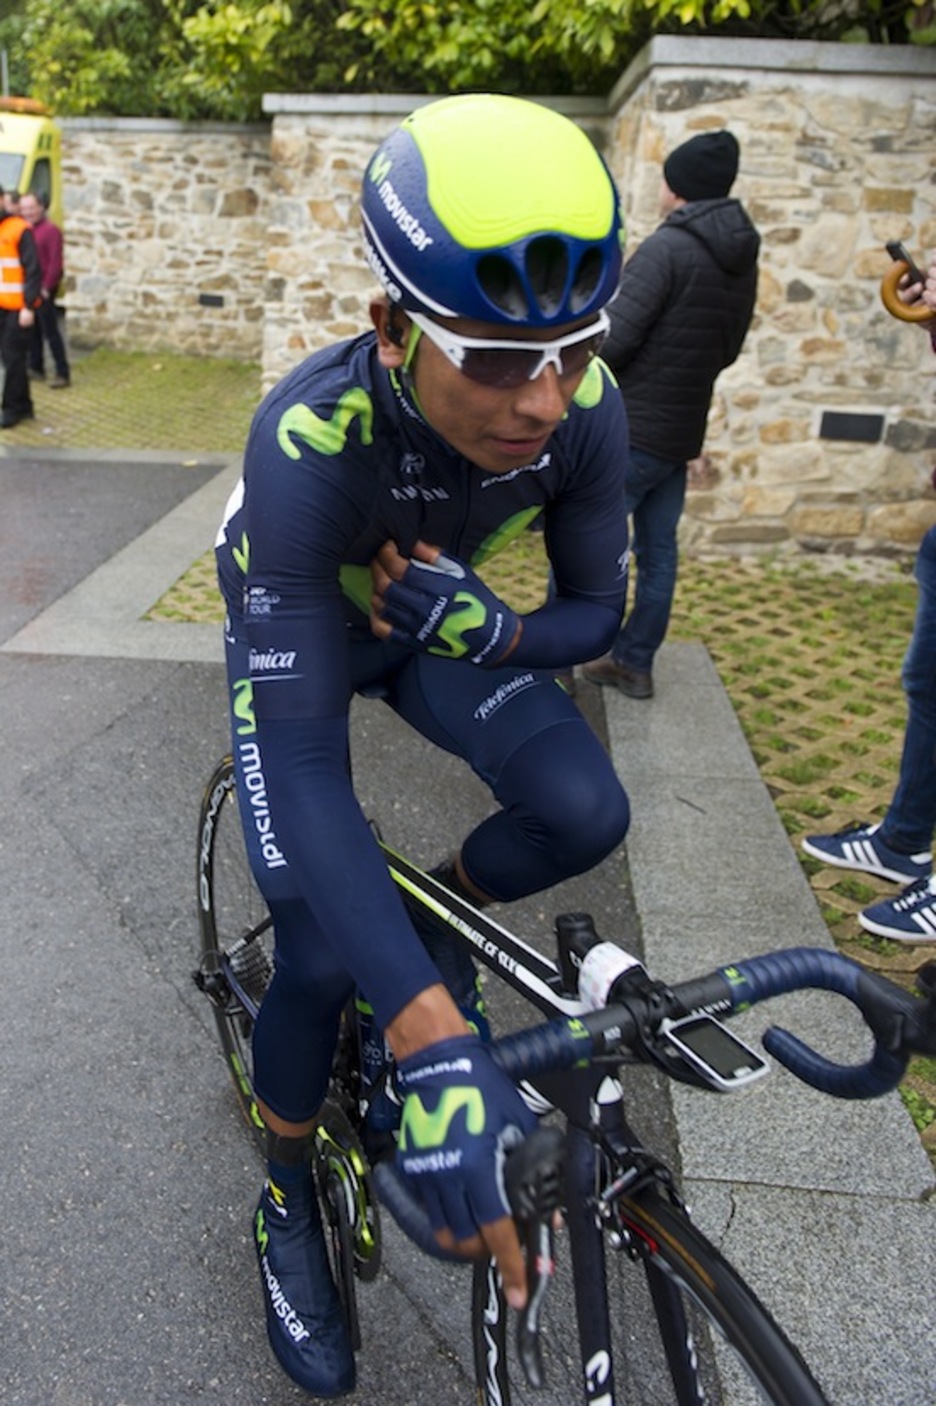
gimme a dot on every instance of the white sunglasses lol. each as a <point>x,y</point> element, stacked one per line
<point>502,363</point>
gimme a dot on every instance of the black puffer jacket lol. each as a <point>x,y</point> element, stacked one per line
<point>684,307</point>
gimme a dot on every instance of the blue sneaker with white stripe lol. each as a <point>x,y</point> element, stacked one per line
<point>909,918</point>
<point>860,847</point>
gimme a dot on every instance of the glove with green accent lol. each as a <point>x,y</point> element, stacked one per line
<point>445,608</point>
<point>461,1116</point>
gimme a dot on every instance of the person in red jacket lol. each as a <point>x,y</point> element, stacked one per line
<point>49,246</point>
<point>20,295</point>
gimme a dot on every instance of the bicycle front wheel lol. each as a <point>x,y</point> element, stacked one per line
<point>687,1331</point>
<point>236,935</point>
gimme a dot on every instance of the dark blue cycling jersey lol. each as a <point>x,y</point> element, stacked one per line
<point>339,461</point>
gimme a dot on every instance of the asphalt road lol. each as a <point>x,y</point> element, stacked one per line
<point>127,1276</point>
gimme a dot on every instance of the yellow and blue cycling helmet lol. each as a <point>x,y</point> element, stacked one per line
<point>495,208</point>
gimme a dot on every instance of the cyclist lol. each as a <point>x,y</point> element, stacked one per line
<point>377,476</point>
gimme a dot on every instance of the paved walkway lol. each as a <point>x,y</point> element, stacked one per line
<point>825,1205</point>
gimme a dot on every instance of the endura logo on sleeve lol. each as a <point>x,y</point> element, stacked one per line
<point>543,462</point>
<point>255,787</point>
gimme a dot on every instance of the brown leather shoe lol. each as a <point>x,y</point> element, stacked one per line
<point>608,673</point>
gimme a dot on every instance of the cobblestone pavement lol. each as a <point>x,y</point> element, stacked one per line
<point>122,400</point>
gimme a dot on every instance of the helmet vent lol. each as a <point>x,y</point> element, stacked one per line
<point>587,278</point>
<point>501,283</point>
<point>547,268</point>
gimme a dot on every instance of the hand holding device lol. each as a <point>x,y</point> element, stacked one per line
<point>918,311</point>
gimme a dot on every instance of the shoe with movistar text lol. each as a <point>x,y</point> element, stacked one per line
<point>861,847</point>
<point>909,918</point>
<point>305,1321</point>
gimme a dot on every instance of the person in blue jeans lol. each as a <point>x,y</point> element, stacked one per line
<point>899,847</point>
<point>681,315</point>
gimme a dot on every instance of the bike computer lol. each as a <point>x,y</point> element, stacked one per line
<point>708,1047</point>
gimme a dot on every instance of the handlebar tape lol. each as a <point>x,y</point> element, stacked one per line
<point>775,973</point>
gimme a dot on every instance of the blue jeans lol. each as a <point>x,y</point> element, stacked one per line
<point>654,493</point>
<point>911,816</point>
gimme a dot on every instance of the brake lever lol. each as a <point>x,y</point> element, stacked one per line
<point>540,1264</point>
<point>534,1177</point>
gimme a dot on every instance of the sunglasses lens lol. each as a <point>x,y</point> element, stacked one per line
<point>499,366</point>
<point>577,357</point>
<point>504,367</point>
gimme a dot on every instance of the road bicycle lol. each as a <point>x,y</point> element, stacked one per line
<point>686,1329</point>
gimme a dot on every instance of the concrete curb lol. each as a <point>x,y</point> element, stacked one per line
<point>824,1204</point>
<point>102,615</point>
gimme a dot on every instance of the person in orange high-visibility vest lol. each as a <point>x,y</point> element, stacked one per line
<point>20,295</point>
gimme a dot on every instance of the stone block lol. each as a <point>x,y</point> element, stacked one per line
<point>753,534</point>
<point>901,201</point>
<point>823,349</point>
<point>785,431</point>
<point>910,436</point>
<point>767,502</point>
<point>833,520</point>
<point>902,523</point>
<point>235,204</point>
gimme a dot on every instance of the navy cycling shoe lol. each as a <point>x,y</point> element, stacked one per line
<point>305,1322</point>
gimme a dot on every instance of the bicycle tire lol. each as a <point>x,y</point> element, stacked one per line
<point>735,1353</point>
<point>236,932</point>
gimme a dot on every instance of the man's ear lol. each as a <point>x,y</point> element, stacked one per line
<point>392,327</point>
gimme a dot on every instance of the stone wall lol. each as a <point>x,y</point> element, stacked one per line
<point>838,142</point>
<point>838,148</point>
<point>166,228</point>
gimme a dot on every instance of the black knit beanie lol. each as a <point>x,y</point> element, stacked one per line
<point>704,167</point>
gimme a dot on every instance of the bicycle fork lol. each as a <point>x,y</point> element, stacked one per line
<point>605,1165</point>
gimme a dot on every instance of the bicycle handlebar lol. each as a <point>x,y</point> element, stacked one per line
<point>896,1018</point>
<point>900,1022</point>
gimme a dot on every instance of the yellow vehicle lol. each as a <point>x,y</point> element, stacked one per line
<point>31,152</point>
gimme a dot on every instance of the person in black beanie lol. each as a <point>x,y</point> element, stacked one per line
<point>681,315</point>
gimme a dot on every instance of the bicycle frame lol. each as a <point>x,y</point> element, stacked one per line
<point>601,1146</point>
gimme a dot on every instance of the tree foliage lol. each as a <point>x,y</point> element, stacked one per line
<point>583,45</point>
<point>215,58</point>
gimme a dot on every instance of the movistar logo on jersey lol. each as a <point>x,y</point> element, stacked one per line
<point>243,708</point>
<point>466,613</point>
<point>254,785</point>
<point>326,436</point>
<point>422,1131</point>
